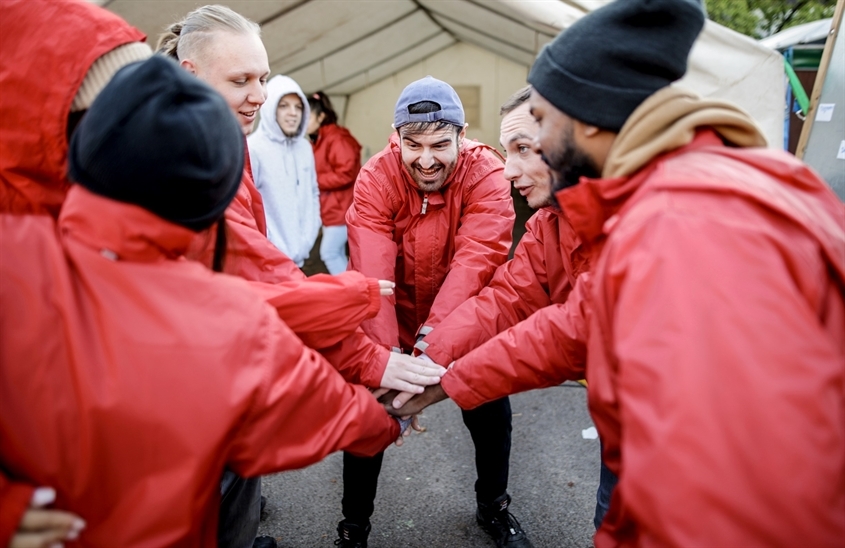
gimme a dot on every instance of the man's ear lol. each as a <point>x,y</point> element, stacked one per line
<point>463,132</point>
<point>188,65</point>
<point>589,131</point>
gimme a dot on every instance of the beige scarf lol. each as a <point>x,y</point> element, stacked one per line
<point>668,120</point>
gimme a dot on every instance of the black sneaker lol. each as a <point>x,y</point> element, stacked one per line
<point>351,535</point>
<point>264,542</point>
<point>500,524</point>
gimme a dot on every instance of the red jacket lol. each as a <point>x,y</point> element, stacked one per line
<point>129,384</point>
<point>33,158</point>
<point>547,260</point>
<point>716,339</point>
<point>438,256</point>
<point>337,156</point>
<point>717,344</point>
<point>33,163</point>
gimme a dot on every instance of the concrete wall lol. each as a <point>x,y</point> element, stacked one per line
<point>369,112</point>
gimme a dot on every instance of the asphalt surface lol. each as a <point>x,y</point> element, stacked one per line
<point>426,496</point>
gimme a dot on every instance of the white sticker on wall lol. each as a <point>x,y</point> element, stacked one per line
<point>825,112</point>
<point>841,154</point>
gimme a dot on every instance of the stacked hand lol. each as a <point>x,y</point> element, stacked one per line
<point>41,528</point>
<point>404,377</point>
<point>408,374</point>
<point>414,404</point>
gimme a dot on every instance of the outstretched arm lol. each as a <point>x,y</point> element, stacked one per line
<point>481,245</point>
<point>372,250</point>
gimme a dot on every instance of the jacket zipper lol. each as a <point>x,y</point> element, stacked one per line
<point>425,204</point>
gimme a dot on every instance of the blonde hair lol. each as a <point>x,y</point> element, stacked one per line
<point>188,37</point>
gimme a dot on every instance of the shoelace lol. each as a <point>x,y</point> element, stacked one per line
<point>509,522</point>
<point>339,541</point>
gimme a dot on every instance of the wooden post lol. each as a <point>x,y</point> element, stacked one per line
<point>820,77</point>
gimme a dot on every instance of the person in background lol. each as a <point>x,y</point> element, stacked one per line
<point>283,167</point>
<point>138,377</point>
<point>337,156</point>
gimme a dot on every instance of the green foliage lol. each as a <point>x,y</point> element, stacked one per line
<point>761,18</point>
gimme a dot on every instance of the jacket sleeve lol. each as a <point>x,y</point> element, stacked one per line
<point>14,500</point>
<point>481,245</point>
<point>372,250</point>
<point>302,409</point>
<point>519,288</point>
<point>322,309</point>
<point>728,388</point>
<point>358,359</point>
<point>545,350</point>
<point>344,158</point>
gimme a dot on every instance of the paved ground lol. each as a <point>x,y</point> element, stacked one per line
<point>426,494</point>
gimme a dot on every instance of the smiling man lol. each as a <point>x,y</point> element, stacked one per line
<point>433,213</point>
<point>546,263</point>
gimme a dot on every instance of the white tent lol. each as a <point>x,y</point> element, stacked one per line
<point>814,32</point>
<point>363,52</point>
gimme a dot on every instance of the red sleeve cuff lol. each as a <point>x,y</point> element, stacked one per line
<point>374,293</point>
<point>460,392</point>
<point>14,500</point>
<point>375,369</point>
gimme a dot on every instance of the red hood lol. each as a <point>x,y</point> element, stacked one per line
<point>47,51</point>
<point>800,194</point>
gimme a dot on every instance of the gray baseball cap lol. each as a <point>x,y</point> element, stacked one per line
<point>436,91</point>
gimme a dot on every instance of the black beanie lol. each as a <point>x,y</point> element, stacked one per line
<point>159,138</point>
<point>608,62</point>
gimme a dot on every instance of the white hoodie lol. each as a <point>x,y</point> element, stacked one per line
<point>283,168</point>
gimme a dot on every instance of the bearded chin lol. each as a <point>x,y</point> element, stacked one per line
<point>567,170</point>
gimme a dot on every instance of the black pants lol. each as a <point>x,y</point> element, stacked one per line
<point>490,428</point>
<point>607,483</point>
<point>240,511</point>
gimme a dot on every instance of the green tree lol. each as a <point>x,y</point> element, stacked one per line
<point>761,18</point>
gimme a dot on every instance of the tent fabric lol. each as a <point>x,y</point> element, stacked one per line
<point>345,47</point>
<point>814,32</point>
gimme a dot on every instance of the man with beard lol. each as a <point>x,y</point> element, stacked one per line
<point>715,308</point>
<point>433,213</point>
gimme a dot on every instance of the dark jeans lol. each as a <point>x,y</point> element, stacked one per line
<point>607,483</point>
<point>240,511</point>
<point>490,428</point>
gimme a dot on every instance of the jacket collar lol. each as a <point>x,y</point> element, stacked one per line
<point>120,231</point>
<point>592,204</point>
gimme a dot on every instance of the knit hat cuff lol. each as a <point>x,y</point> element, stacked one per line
<point>592,103</point>
<point>104,68</point>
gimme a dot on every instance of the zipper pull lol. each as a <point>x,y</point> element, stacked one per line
<point>425,204</point>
